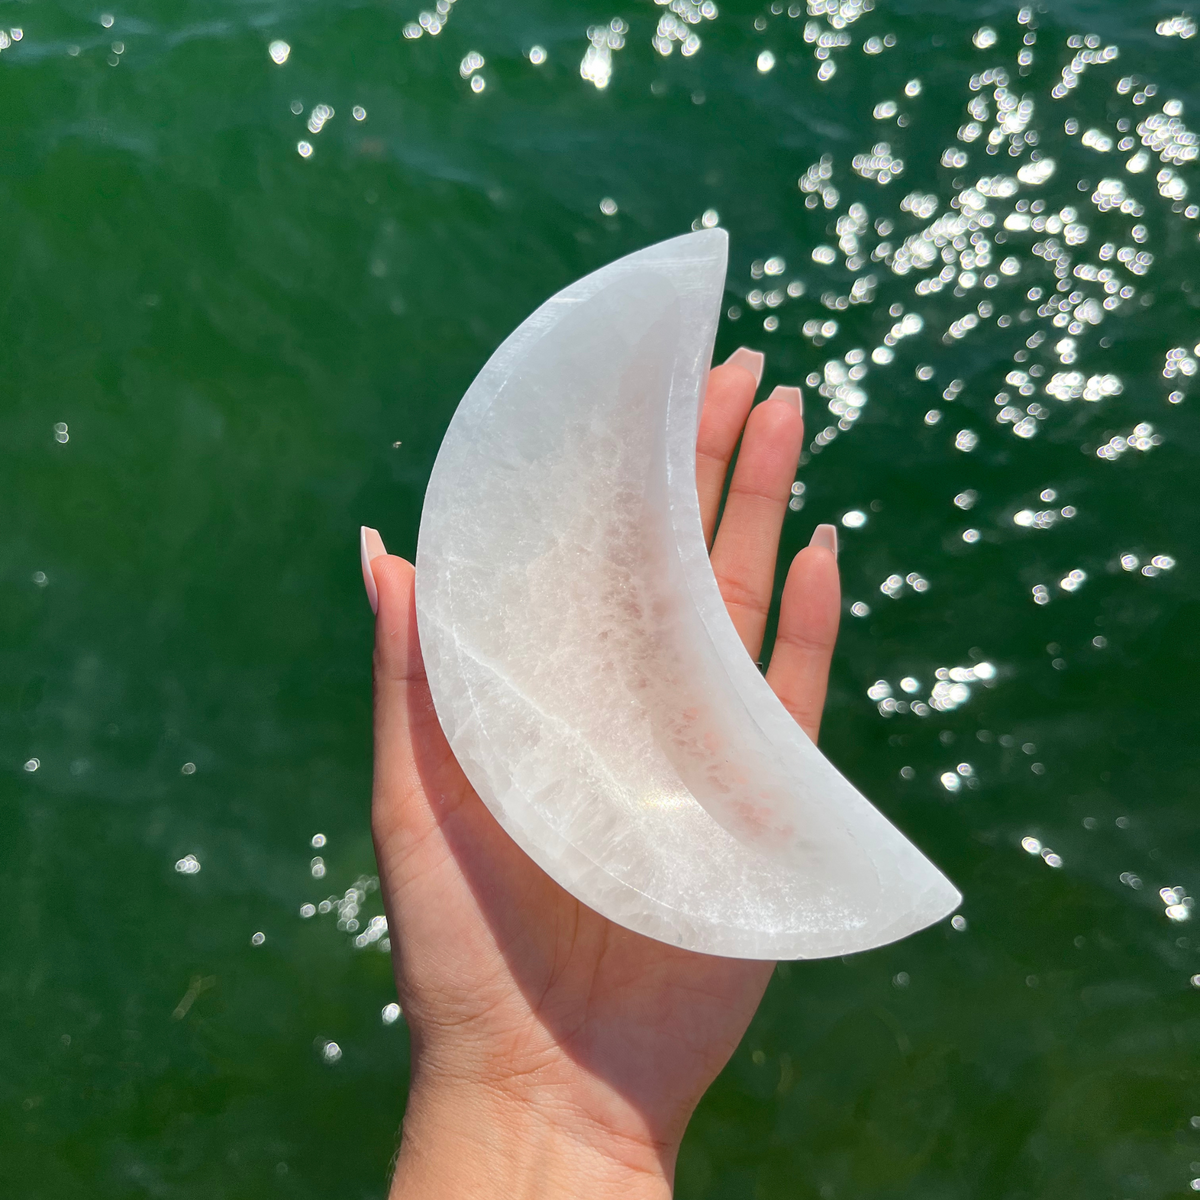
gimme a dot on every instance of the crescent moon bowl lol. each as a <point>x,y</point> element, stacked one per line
<point>582,663</point>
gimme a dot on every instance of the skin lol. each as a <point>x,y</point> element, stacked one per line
<point>553,1052</point>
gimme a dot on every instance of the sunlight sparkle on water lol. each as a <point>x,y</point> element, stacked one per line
<point>597,64</point>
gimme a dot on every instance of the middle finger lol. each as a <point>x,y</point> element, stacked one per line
<point>747,542</point>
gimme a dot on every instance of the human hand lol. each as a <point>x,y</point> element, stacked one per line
<point>555,1053</point>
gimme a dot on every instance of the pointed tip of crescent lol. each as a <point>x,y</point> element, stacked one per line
<point>945,900</point>
<point>716,235</point>
<point>698,243</point>
<point>940,900</point>
<point>716,238</point>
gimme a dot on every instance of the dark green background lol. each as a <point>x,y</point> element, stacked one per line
<point>236,337</point>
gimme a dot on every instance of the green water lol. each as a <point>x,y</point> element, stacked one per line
<point>253,352</point>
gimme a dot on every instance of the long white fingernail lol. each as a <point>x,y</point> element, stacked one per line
<point>749,360</point>
<point>792,395</point>
<point>370,546</point>
<point>825,535</point>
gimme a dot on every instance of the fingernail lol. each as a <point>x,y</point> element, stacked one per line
<point>825,535</point>
<point>370,546</point>
<point>792,395</point>
<point>750,360</point>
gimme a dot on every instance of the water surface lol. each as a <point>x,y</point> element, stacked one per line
<point>235,325</point>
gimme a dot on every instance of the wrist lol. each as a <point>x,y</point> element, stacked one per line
<point>476,1142</point>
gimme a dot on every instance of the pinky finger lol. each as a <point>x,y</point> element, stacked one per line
<point>808,625</point>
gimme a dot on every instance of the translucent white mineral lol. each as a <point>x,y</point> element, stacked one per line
<point>581,660</point>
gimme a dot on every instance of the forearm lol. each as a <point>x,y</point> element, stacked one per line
<point>473,1144</point>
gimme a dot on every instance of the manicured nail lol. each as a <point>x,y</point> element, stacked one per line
<point>792,395</point>
<point>370,546</point>
<point>825,535</point>
<point>750,360</point>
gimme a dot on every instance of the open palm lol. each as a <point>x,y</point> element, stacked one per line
<point>553,1051</point>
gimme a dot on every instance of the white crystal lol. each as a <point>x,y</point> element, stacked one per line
<point>581,660</point>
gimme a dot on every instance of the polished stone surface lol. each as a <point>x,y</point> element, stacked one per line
<point>582,662</point>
